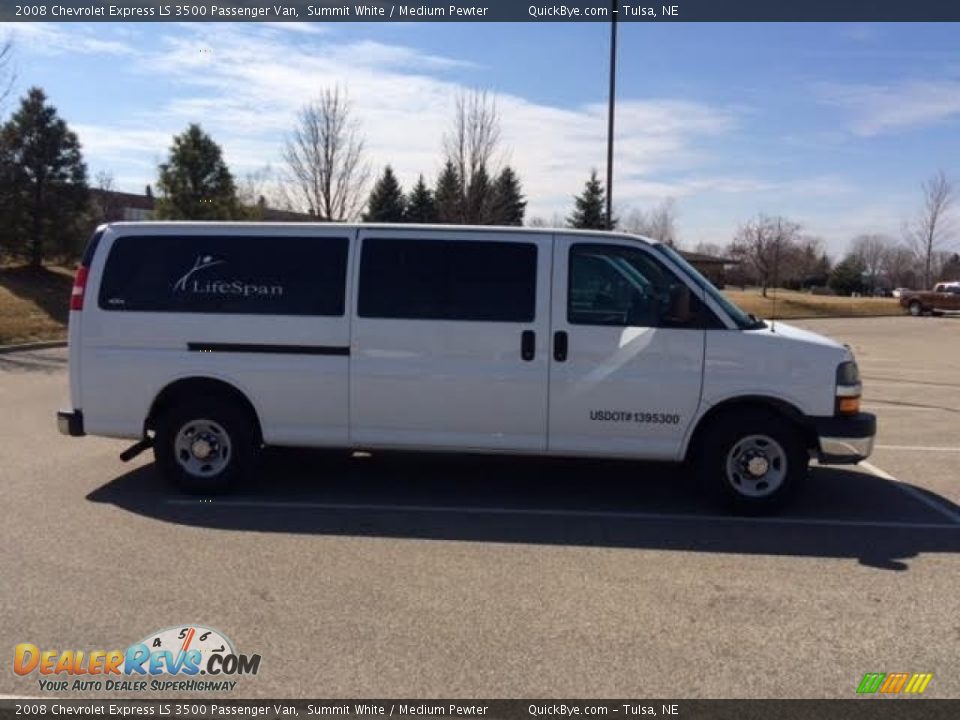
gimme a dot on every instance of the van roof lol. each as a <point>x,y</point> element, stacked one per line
<point>224,224</point>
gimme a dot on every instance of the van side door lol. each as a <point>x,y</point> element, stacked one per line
<point>627,350</point>
<point>449,339</point>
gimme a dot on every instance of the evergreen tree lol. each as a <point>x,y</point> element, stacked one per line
<point>43,182</point>
<point>477,203</point>
<point>420,204</point>
<point>386,203</point>
<point>447,196</point>
<point>847,276</point>
<point>590,209</point>
<point>509,204</point>
<point>195,183</point>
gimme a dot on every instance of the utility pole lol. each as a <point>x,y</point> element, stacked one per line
<point>610,110</point>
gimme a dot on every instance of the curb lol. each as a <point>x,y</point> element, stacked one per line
<point>4,349</point>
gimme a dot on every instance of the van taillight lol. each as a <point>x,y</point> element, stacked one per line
<point>79,285</point>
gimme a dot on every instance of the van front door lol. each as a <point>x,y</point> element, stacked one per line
<point>627,351</point>
<point>449,340</point>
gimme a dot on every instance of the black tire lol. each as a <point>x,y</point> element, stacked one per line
<point>732,440</point>
<point>232,432</point>
<point>915,308</point>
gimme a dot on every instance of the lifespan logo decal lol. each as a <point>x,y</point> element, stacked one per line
<point>169,659</point>
<point>188,283</point>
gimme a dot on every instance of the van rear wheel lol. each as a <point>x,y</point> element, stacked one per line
<point>915,308</point>
<point>754,460</point>
<point>205,446</point>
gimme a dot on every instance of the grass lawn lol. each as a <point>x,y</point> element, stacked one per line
<point>34,303</point>
<point>792,304</point>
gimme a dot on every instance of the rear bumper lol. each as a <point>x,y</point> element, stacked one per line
<point>845,440</point>
<point>70,422</point>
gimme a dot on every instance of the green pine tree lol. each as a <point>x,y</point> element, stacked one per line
<point>447,196</point>
<point>847,276</point>
<point>386,203</point>
<point>508,204</point>
<point>590,208</point>
<point>43,183</point>
<point>195,183</point>
<point>420,205</point>
<point>477,202</point>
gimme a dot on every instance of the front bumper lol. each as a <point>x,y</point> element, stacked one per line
<point>70,422</point>
<point>845,440</point>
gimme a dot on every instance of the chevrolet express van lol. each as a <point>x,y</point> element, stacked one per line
<point>209,341</point>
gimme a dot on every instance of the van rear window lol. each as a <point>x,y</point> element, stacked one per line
<point>448,280</point>
<point>226,274</point>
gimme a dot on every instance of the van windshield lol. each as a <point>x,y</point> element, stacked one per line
<point>744,320</point>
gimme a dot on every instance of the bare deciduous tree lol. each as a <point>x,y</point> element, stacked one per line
<point>472,145</point>
<point>7,73</point>
<point>259,190</point>
<point>658,223</point>
<point>900,266</point>
<point>871,251</point>
<point>106,206</point>
<point>764,245</point>
<point>327,175</point>
<point>932,228</point>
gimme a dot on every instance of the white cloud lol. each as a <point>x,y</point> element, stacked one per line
<point>126,145</point>
<point>878,109</point>
<point>52,39</point>
<point>306,28</point>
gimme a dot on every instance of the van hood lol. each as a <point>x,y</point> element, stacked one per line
<point>791,332</point>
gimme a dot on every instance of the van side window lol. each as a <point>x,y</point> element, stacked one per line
<point>226,275</point>
<point>448,280</point>
<point>620,286</point>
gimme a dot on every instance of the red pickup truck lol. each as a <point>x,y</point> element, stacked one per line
<point>944,296</point>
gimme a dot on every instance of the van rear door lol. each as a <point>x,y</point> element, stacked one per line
<point>627,351</point>
<point>449,339</point>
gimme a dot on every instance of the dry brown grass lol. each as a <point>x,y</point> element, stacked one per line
<point>34,303</point>
<point>792,304</point>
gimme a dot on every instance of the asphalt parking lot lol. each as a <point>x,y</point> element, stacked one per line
<point>451,576</point>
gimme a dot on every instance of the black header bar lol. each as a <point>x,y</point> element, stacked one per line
<point>210,707</point>
<point>323,11</point>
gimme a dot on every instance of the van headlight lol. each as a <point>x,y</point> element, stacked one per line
<point>849,388</point>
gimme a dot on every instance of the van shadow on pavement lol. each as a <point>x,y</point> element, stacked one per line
<point>842,513</point>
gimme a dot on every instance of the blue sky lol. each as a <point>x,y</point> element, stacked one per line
<point>833,125</point>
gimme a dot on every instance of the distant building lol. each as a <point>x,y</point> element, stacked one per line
<point>113,206</point>
<point>714,268</point>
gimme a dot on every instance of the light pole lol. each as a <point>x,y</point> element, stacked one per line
<point>610,110</point>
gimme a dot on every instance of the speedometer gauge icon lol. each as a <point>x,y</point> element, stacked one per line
<point>184,638</point>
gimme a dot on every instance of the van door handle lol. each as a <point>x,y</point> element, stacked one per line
<point>560,346</point>
<point>528,345</point>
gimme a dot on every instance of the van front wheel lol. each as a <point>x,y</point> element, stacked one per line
<point>205,446</point>
<point>757,459</point>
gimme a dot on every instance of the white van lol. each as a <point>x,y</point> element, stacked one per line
<point>209,341</point>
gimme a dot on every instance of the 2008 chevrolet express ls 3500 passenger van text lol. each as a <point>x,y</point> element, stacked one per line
<point>211,340</point>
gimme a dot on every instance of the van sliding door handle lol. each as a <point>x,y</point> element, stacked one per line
<point>528,345</point>
<point>560,346</point>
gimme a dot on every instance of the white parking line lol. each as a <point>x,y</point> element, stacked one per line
<point>917,448</point>
<point>544,512</point>
<point>911,491</point>
<point>879,407</point>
